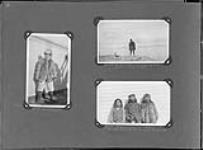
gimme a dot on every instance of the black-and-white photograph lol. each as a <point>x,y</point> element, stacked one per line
<point>48,58</point>
<point>133,103</point>
<point>132,41</point>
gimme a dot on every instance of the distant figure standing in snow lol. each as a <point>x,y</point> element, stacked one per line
<point>132,47</point>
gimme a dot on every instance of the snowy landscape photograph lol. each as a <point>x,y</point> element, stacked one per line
<point>132,41</point>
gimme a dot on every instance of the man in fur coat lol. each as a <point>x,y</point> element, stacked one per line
<point>44,75</point>
<point>132,110</point>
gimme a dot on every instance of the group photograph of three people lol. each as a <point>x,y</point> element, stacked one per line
<point>134,112</point>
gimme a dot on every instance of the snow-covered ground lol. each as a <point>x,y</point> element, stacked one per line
<point>147,53</point>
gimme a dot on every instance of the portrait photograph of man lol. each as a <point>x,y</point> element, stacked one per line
<point>48,70</point>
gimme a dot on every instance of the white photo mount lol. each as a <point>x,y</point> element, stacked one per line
<point>169,123</point>
<point>108,58</point>
<point>68,104</point>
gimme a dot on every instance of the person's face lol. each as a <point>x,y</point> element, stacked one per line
<point>118,103</point>
<point>47,56</point>
<point>148,98</point>
<point>132,98</point>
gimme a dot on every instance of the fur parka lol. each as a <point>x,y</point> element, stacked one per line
<point>149,112</point>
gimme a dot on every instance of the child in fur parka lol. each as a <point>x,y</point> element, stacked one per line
<point>116,113</point>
